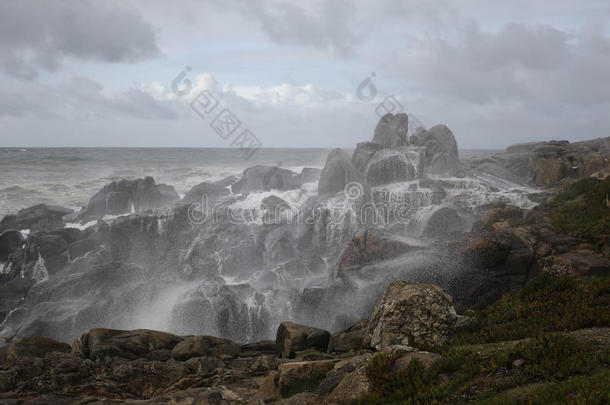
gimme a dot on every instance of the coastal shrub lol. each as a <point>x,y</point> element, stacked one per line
<point>583,211</point>
<point>463,373</point>
<point>548,303</point>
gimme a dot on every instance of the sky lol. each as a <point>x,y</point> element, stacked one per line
<point>316,73</point>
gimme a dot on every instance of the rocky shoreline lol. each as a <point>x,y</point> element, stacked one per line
<point>383,253</point>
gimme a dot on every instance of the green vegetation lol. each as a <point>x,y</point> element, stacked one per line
<point>548,303</point>
<point>463,374</point>
<point>582,211</point>
<point>546,368</point>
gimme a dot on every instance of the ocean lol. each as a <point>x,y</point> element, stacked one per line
<point>70,176</point>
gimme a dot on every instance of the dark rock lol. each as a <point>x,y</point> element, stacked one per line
<point>337,173</point>
<point>264,178</point>
<point>349,339</point>
<point>8,222</point>
<point>279,246</point>
<point>368,246</point>
<point>292,337</point>
<point>10,242</point>
<point>83,246</point>
<point>411,314</point>
<point>274,210</point>
<point>140,343</point>
<point>443,221</point>
<point>199,346</point>
<point>310,174</point>
<point>41,217</point>
<point>392,131</point>
<point>364,153</point>
<point>441,148</point>
<point>211,191</point>
<point>264,347</point>
<point>124,196</point>
<point>34,347</point>
<point>389,167</point>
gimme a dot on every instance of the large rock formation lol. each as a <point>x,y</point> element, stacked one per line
<point>411,314</point>
<point>41,217</point>
<point>392,131</point>
<point>292,337</point>
<point>546,164</point>
<point>441,151</point>
<point>370,245</point>
<point>337,173</point>
<point>125,196</point>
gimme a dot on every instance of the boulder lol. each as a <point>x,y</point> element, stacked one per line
<point>441,148</point>
<point>364,153</point>
<point>310,174</point>
<point>274,209</point>
<point>368,246</point>
<point>41,217</point>
<point>264,178</point>
<point>10,242</point>
<point>411,314</point>
<point>293,373</point>
<point>199,346</point>
<point>8,222</point>
<point>292,337</point>
<point>34,347</point>
<point>125,196</point>
<point>551,170</point>
<point>485,253</point>
<point>337,173</point>
<point>351,388</point>
<point>426,358</point>
<point>443,221</point>
<point>211,191</point>
<point>139,343</point>
<point>349,339</point>
<point>392,131</point>
<point>388,167</point>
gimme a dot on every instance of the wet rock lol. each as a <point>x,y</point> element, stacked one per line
<point>264,178</point>
<point>10,242</point>
<point>368,246</point>
<point>264,347</point>
<point>198,346</point>
<point>349,339</point>
<point>279,246</point>
<point>292,337</point>
<point>275,210</point>
<point>485,252</point>
<point>364,153</point>
<point>140,343</point>
<point>34,347</point>
<point>391,130</point>
<point>82,247</point>
<point>206,193</point>
<point>390,167</point>
<point>443,221</point>
<point>411,314</point>
<point>441,148</point>
<point>310,174</point>
<point>124,196</point>
<point>41,217</point>
<point>338,171</point>
<point>8,222</point>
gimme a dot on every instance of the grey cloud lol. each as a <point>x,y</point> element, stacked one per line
<point>37,34</point>
<point>81,98</point>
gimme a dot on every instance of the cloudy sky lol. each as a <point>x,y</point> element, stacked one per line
<point>116,73</point>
